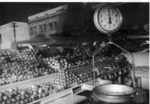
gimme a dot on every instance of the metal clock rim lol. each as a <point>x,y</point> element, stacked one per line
<point>121,19</point>
<point>96,22</point>
<point>98,25</point>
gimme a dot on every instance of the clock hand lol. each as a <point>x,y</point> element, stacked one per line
<point>109,16</point>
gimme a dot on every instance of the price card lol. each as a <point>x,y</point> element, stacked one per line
<point>87,87</point>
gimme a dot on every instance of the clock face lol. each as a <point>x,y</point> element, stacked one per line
<point>108,19</point>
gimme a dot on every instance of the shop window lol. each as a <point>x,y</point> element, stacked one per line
<point>50,26</point>
<point>44,27</point>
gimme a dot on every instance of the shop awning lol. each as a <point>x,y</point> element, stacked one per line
<point>76,39</point>
<point>61,40</point>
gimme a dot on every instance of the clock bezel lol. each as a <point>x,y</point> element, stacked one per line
<point>98,25</point>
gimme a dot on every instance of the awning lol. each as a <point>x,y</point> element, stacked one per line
<point>62,40</point>
<point>77,39</point>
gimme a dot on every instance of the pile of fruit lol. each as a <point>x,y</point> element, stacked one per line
<point>21,66</point>
<point>66,79</point>
<point>26,64</point>
<point>35,92</point>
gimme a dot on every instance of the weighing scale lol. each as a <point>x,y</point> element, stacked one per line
<point>108,19</point>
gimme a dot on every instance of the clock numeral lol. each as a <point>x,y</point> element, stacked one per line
<point>117,21</point>
<point>114,25</point>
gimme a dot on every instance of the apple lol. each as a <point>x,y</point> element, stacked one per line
<point>40,90</point>
<point>13,100</point>
<point>40,95</point>
<point>30,99</point>
<point>5,97</point>
<point>36,97</point>
<point>9,101</point>
<point>4,102</point>
<point>43,94</point>
<point>1,94</point>
<point>23,97</point>
<point>11,90</point>
<point>26,101</point>
<point>1,99</point>
<point>26,96</point>
<point>23,92</point>
<point>18,97</point>
<point>15,92</point>
<point>35,93</point>
<point>22,102</point>
<point>46,93</point>
<point>18,102</point>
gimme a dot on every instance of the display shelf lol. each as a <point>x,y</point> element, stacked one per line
<point>87,67</point>
<point>66,93</point>
<point>66,79</point>
<point>78,98</point>
<point>58,95</point>
<point>117,72</point>
<point>50,78</point>
<point>28,83</point>
<point>38,80</point>
<point>53,97</point>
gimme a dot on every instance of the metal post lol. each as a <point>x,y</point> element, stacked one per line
<point>133,64</point>
<point>14,29</point>
<point>94,79</point>
<point>119,79</point>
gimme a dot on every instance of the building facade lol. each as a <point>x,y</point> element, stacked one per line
<point>47,23</point>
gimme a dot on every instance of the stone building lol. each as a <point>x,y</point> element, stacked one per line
<point>47,23</point>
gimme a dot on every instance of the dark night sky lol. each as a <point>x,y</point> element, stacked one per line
<point>20,11</point>
<point>133,14</point>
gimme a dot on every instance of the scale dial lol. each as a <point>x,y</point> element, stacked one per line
<point>107,19</point>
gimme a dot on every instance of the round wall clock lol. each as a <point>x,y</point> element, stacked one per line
<point>107,19</point>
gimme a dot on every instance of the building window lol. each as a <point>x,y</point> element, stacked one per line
<point>44,27</point>
<point>50,26</point>
<point>35,29</point>
<point>31,30</point>
<point>55,24</point>
<point>40,28</point>
<point>0,39</point>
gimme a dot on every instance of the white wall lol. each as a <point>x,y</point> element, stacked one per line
<point>141,59</point>
<point>6,37</point>
<point>7,34</point>
<point>22,32</point>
